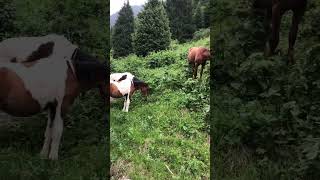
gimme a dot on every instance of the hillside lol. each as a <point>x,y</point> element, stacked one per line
<point>113,18</point>
<point>166,135</point>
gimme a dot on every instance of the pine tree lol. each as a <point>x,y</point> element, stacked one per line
<point>152,29</point>
<point>180,16</point>
<point>206,14</point>
<point>122,32</point>
<point>198,16</point>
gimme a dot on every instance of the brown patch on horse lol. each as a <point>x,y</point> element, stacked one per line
<point>15,99</point>
<point>114,91</point>
<point>26,64</point>
<point>122,78</point>
<point>14,60</point>
<point>43,51</point>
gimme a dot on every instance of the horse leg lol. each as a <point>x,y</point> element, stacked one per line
<point>276,20</point>
<point>202,67</point>
<point>47,135</point>
<point>296,18</point>
<point>128,103</point>
<point>193,69</point>
<point>57,130</point>
<point>196,70</point>
<point>190,67</point>
<point>125,103</point>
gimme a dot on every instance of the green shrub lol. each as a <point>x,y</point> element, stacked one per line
<point>262,104</point>
<point>201,33</point>
<point>162,58</point>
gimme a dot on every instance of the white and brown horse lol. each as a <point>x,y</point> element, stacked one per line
<point>50,81</point>
<point>124,85</point>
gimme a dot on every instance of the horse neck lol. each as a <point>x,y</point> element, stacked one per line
<point>138,84</point>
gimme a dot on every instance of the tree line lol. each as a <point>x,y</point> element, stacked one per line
<point>157,25</point>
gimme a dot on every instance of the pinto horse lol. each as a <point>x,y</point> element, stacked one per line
<point>49,82</point>
<point>274,10</point>
<point>198,56</point>
<point>124,85</point>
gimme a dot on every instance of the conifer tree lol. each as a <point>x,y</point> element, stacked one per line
<point>180,15</point>
<point>152,29</point>
<point>122,32</point>
<point>198,16</point>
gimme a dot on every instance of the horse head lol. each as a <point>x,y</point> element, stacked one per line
<point>144,87</point>
<point>207,54</point>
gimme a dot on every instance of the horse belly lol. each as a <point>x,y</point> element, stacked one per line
<point>45,81</point>
<point>20,107</point>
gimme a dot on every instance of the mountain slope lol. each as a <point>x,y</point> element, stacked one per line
<point>136,9</point>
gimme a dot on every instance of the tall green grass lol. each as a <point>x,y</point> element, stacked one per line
<point>82,153</point>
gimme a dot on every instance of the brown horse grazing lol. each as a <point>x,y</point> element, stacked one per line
<point>274,12</point>
<point>124,85</point>
<point>48,84</point>
<point>198,56</point>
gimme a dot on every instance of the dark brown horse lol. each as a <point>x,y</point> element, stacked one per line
<point>274,11</point>
<point>198,56</point>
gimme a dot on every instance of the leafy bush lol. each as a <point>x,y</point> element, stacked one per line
<point>201,33</point>
<point>163,58</point>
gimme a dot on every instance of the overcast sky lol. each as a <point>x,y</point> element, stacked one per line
<point>116,5</point>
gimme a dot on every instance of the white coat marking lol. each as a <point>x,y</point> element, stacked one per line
<point>42,79</point>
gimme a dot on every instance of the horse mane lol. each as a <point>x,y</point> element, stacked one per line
<point>87,67</point>
<point>138,83</point>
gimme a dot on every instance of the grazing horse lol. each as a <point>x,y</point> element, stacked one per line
<point>124,86</point>
<point>198,56</point>
<point>274,10</point>
<point>47,83</point>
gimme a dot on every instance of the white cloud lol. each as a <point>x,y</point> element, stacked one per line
<point>116,5</point>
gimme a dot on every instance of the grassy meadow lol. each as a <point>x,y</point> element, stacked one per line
<point>166,135</point>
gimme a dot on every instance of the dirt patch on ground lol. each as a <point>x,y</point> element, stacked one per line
<point>119,169</point>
